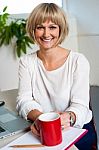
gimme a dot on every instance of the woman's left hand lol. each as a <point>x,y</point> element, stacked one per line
<point>65,119</point>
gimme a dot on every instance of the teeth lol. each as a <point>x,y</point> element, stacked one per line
<point>46,40</point>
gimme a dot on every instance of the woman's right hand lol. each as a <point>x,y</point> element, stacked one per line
<point>33,115</point>
<point>35,128</point>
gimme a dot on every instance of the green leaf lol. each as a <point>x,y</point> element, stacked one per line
<point>2,40</point>
<point>23,47</point>
<point>14,28</point>
<point>18,51</point>
<point>5,8</point>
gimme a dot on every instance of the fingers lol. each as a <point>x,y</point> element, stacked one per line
<point>34,130</point>
<point>65,120</point>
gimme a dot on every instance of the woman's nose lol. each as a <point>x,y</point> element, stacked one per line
<point>46,32</point>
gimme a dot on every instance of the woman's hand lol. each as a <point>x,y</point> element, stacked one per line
<point>35,128</point>
<point>65,119</point>
<point>33,115</point>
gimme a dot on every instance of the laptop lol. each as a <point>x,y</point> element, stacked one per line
<point>11,123</point>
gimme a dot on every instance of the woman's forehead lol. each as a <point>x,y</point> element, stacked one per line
<point>47,21</point>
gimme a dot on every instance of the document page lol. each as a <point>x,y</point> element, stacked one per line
<point>69,137</point>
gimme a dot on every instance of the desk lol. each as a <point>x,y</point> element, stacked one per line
<point>10,103</point>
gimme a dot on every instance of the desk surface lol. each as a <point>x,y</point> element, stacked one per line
<point>11,105</point>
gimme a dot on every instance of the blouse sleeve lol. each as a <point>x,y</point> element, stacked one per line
<point>80,92</point>
<point>25,102</point>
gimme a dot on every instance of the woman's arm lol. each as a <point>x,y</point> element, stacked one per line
<point>34,114</point>
<point>79,99</point>
<point>25,101</point>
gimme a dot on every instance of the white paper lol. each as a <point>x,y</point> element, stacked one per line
<point>68,137</point>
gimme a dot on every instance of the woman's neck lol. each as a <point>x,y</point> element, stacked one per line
<point>53,58</point>
<point>48,55</point>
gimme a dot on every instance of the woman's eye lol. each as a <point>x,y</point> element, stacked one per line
<point>43,28</point>
<point>52,27</point>
<point>39,28</point>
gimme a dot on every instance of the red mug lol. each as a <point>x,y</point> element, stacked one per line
<point>50,129</point>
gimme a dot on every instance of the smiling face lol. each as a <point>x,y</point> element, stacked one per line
<point>44,15</point>
<point>47,34</point>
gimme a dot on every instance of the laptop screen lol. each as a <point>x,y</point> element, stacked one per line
<point>4,118</point>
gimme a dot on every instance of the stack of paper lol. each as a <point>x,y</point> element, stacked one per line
<point>69,136</point>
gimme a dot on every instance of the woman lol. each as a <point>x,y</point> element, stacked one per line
<point>54,78</point>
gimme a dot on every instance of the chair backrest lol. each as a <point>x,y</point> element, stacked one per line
<point>94,97</point>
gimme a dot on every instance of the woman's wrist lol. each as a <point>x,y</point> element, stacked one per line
<point>72,118</point>
<point>34,114</point>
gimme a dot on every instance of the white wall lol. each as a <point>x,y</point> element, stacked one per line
<point>8,68</point>
<point>86,13</point>
<point>9,64</point>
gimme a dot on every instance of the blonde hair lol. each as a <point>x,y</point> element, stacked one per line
<point>47,11</point>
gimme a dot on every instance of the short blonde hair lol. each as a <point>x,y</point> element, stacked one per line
<point>47,11</point>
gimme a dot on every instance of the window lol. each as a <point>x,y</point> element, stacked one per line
<point>20,6</point>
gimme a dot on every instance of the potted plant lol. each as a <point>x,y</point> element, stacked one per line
<point>12,29</point>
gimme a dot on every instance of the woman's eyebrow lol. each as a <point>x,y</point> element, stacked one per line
<point>41,25</point>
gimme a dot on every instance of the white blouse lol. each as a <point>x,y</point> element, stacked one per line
<point>63,89</point>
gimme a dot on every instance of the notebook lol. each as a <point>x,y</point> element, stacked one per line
<point>69,137</point>
<point>11,123</point>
